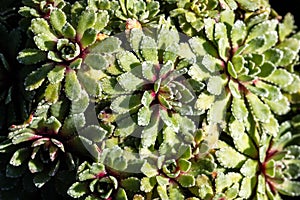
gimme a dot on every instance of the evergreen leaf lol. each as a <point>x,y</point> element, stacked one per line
<point>225,155</point>
<point>58,19</point>
<point>35,79</point>
<point>89,37</point>
<point>260,111</point>
<point>57,74</point>
<point>19,157</point>
<point>72,86</point>
<point>96,61</point>
<point>86,20</point>
<point>77,189</point>
<point>186,180</point>
<point>31,56</point>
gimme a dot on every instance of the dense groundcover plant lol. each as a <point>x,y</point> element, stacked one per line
<point>148,99</point>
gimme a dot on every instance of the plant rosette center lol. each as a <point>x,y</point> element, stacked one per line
<point>170,169</point>
<point>67,51</point>
<point>168,89</point>
<point>159,94</point>
<point>104,187</point>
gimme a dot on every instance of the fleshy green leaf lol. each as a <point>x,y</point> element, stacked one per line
<point>147,184</point>
<point>52,92</point>
<point>225,155</point>
<point>24,137</point>
<point>222,40</point>
<point>249,5</point>
<point>210,63</point>
<point>96,61</point>
<point>249,168</point>
<point>121,194</point>
<point>204,101</point>
<point>19,156</point>
<point>218,110</point>
<point>131,183</point>
<point>286,27</point>
<point>102,20</point>
<point>231,70</point>
<point>266,69</point>
<point>162,191</point>
<point>149,133</point>
<point>238,33</point>
<point>56,74</point>
<point>215,85</point>
<point>224,181</point>
<point>254,45</point>
<point>72,86</point>
<point>291,188</point>
<point>280,107</point>
<point>148,71</point>
<point>35,166</point>
<point>108,45</point>
<point>149,49</point>
<point>129,81</point>
<point>78,189</point>
<point>44,42</point>
<point>186,180</point>
<point>149,170</point>
<point>81,104</point>
<point>127,60</point>
<point>162,181</point>
<point>294,86</point>
<point>184,165</point>
<point>136,36</point>
<point>242,141</point>
<point>72,123</point>
<point>124,103</point>
<point>87,20</point>
<point>41,26</point>
<point>68,31</point>
<point>88,38</point>
<point>246,187</point>
<point>94,133</point>
<point>260,111</point>
<point>273,55</point>
<point>58,19</point>
<point>125,127</point>
<point>274,92</point>
<point>36,78</point>
<point>31,56</point>
<point>89,80</point>
<point>144,116</point>
<point>272,127</point>
<point>280,77</point>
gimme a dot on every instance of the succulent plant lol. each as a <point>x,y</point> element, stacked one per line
<point>113,102</point>
<point>168,173</point>
<point>190,15</point>
<point>36,9</point>
<point>266,164</point>
<point>69,47</point>
<point>125,14</point>
<point>149,88</point>
<point>245,66</point>
<point>38,146</point>
<point>96,181</point>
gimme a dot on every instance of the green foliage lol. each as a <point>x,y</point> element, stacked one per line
<point>245,70</point>
<point>106,99</point>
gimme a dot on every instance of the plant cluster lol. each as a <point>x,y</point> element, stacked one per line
<point>148,99</point>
